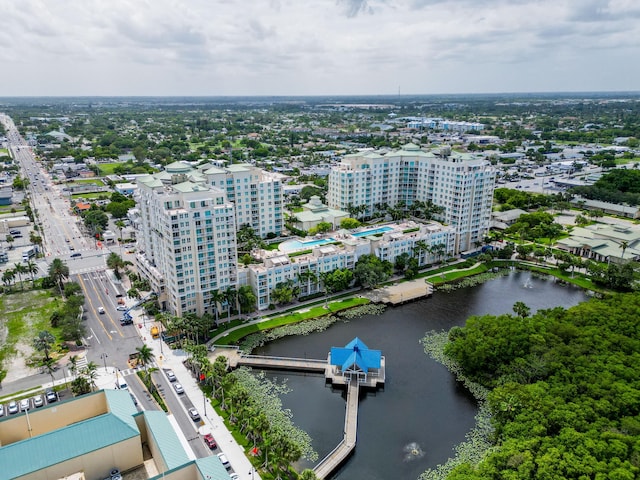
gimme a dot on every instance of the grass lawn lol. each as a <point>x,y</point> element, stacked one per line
<point>294,317</point>
<point>3,152</point>
<point>7,209</point>
<point>22,316</point>
<point>92,196</point>
<point>107,168</point>
<point>87,181</point>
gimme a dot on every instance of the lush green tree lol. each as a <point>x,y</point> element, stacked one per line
<point>370,271</point>
<point>563,396</point>
<point>349,223</point>
<point>247,299</point>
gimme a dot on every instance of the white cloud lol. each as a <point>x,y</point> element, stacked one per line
<point>281,47</point>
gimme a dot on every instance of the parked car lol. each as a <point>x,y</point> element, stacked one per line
<point>2,412</point>
<point>126,321</point>
<point>210,441</point>
<point>178,388</point>
<point>25,404</point>
<point>51,396</point>
<point>234,476</point>
<point>170,375</point>
<point>13,407</point>
<point>38,401</point>
<point>224,460</point>
<point>193,413</point>
<point>14,232</point>
<point>75,255</point>
<point>121,308</point>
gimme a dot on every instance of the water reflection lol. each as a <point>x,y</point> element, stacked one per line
<point>421,403</point>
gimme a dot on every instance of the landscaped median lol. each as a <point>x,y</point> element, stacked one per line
<point>267,323</point>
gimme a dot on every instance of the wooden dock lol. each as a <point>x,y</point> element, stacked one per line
<point>284,363</point>
<point>339,454</point>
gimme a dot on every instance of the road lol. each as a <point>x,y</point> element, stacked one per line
<point>108,342</point>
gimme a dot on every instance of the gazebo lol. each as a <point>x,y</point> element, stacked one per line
<point>356,360</point>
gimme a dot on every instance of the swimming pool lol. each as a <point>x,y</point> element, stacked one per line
<point>372,232</point>
<point>291,245</point>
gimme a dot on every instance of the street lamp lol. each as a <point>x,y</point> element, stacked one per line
<point>104,358</point>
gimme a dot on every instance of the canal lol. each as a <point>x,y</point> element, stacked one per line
<point>421,407</point>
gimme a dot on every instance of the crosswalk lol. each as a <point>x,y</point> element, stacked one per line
<point>133,371</point>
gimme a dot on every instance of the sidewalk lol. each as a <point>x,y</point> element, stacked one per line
<point>173,359</point>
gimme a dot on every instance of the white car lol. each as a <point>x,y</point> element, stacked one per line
<point>224,460</point>
<point>122,308</point>
<point>13,407</point>
<point>1,410</point>
<point>38,401</point>
<point>178,388</point>
<point>25,404</point>
<point>100,309</point>
<point>170,375</point>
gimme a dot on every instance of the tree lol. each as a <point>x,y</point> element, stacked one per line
<point>624,245</point>
<point>58,273</point>
<point>371,271</point>
<point>19,269</point>
<point>217,297</point>
<point>145,357</point>
<point>349,223</point>
<point>521,309</point>
<point>115,263</point>
<point>31,268</point>
<point>43,343</point>
<point>247,299</point>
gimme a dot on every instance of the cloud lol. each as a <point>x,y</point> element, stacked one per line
<point>316,46</point>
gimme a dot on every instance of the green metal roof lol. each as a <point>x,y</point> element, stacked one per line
<point>211,468</point>
<point>160,429</point>
<point>28,456</point>
<point>120,404</point>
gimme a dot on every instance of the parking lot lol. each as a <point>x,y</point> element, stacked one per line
<point>22,404</point>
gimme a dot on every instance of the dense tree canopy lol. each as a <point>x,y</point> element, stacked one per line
<point>566,390</point>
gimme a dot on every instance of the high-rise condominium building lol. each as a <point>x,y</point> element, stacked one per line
<point>460,183</point>
<point>188,222</point>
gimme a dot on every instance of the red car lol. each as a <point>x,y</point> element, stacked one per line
<point>208,439</point>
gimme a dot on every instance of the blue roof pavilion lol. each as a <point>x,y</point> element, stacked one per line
<point>356,359</point>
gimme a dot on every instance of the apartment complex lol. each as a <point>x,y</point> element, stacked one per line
<point>460,183</point>
<point>302,261</point>
<point>188,223</point>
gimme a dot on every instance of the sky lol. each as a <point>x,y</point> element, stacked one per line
<point>317,47</point>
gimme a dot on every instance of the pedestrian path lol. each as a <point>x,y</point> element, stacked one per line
<point>174,359</point>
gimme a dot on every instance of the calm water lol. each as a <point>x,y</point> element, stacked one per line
<point>421,403</point>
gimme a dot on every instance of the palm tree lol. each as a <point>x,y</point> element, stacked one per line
<point>91,372</point>
<point>145,357</point>
<point>115,263</point>
<point>19,268</point>
<point>521,309</point>
<point>246,299</point>
<point>216,298</point>
<point>8,276</point>
<point>31,268</point>
<point>58,273</point>
<point>624,245</point>
<point>43,343</point>
<point>120,226</point>
<point>230,295</point>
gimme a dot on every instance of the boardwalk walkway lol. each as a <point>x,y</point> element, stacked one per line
<point>286,363</point>
<point>339,454</point>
